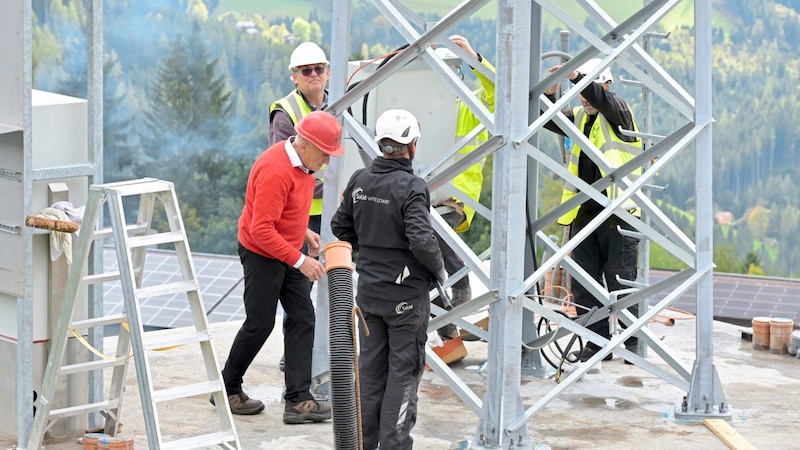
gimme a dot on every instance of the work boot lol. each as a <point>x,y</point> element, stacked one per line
<point>306,411</point>
<point>586,355</point>
<point>461,295</point>
<point>242,405</point>
<point>448,332</point>
<point>633,349</point>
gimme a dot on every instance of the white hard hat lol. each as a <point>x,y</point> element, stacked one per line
<point>604,77</point>
<point>306,54</point>
<point>398,125</point>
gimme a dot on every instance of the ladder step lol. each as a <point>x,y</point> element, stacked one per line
<point>189,390</point>
<point>105,233</point>
<point>228,439</point>
<point>92,365</point>
<point>156,239</point>
<point>99,321</point>
<point>100,278</point>
<point>82,409</point>
<point>166,289</point>
<point>171,340</point>
<point>139,187</point>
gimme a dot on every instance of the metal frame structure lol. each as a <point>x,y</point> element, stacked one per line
<point>503,419</point>
<point>514,125</point>
<point>17,50</point>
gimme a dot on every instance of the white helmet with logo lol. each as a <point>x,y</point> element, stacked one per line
<point>306,54</point>
<point>398,125</point>
<point>604,77</point>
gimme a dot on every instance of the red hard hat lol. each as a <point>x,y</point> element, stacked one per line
<point>322,130</point>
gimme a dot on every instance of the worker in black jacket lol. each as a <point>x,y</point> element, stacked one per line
<point>385,215</point>
<point>606,254</point>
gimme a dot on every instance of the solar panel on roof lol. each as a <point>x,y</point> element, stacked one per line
<point>737,298</point>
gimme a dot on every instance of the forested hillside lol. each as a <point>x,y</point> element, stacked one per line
<point>188,82</point>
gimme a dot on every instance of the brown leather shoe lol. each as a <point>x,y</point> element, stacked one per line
<point>242,405</point>
<point>306,411</point>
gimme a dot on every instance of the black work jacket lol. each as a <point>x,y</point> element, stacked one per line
<point>385,215</point>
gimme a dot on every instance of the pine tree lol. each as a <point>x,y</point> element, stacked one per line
<point>187,130</point>
<point>190,104</point>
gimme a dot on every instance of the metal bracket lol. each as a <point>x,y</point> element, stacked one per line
<point>631,133</point>
<point>629,233</point>
<point>654,35</point>
<point>654,187</point>
<point>11,174</point>
<point>11,229</point>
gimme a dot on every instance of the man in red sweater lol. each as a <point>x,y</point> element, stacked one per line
<point>272,229</point>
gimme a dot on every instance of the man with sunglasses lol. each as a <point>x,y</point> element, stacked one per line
<point>310,74</point>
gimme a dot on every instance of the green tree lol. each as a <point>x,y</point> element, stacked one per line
<point>190,107</point>
<point>121,154</point>
<point>45,47</point>
<point>187,133</point>
<point>726,260</point>
<point>197,10</point>
<point>315,32</point>
<point>301,30</point>
<point>752,264</point>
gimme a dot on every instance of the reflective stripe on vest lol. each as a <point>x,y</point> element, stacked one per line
<point>294,105</point>
<point>615,150</point>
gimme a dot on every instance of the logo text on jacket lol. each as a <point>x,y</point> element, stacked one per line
<point>403,307</point>
<point>358,194</point>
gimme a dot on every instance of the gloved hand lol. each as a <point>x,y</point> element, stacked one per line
<point>441,275</point>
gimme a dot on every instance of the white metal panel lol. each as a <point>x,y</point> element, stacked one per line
<point>418,90</point>
<point>12,262</point>
<point>59,130</point>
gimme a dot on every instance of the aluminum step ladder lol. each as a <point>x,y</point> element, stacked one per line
<point>130,243</point>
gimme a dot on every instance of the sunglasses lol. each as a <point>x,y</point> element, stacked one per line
<point>307,71</point>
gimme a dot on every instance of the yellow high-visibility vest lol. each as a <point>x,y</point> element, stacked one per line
<point>617,151</point>
<point>296,107</point>
<point>470,180</point>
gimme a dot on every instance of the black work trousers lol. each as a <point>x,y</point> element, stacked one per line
<point>391,363</point>
<point>604,254</point>
<point>314,224</point>
<point>266,282</point>
<point>452,263</point>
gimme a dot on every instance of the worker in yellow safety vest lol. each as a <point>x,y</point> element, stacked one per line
<point>605,253</point>
<point>458,215</point>
<point>310,74</point>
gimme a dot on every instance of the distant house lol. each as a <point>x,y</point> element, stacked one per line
<point>724,217</point>
<point>248,27</point>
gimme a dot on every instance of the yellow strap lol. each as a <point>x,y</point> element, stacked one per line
<point>97,352</point>
<point>89,346</point>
